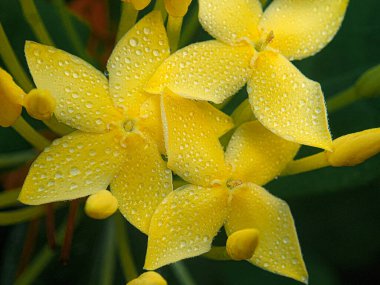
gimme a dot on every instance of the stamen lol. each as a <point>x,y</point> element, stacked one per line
<point>233,183</point>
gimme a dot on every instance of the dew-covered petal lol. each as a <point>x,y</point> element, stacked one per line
<point>278,250</point>
<point>230,20</point>
<point>143,181</point>
<point>192,144</point>
<point>210,71</point>
<point>74,166</point>
<point>303,27</point>
<point>81,91</point>
<point>287,103</point>
<point>221,122</point>
<point>184,224</point>
<point>134,60</point>
<point>150,121</point>
<point>257,155</point>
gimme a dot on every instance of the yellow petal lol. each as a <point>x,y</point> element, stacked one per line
<point>80,90</point>
<point>185,224</point>
<point>134,60</point>
<point>303,28</point>
<point>257,155</point>
<point>221,122</point>
<point>192,144</point>
<point>74,166</point>
<point>11,97</point>
<point>287,103</point>
<point>150,121</point>
<point>230,20</point>
<point>278,250</point>
<point>143,182</point>
<point>208,70</point>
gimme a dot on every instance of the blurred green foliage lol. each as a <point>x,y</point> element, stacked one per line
<point>336,210</point>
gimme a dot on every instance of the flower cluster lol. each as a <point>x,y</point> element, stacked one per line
<point>148,121</point>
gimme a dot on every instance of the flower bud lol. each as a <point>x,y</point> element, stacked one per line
<point>368,85</point>
<point>138,4</point>
<point>11,97</point>
<point>101,205</point>
<point>148,278</point>
<point>354,148</point>
<point>40,104</point>
<point>242,244</point>
<point>177,8</point>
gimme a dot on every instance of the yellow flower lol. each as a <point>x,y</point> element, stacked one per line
<point>11,99</point>
<point>148,278</point>
<point>120,135</point>
<point>255,47</point>
<point>188,219</point>
<point>114,145</point>
<point>177,8</point>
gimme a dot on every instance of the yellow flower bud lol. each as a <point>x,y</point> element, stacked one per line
<point>101,205</point>
<point>11,97</point>
<point>242,244</point>
<point>138,4</point>
<point>354,148</point>
<point>177,8</point>
<point>40,104</point>
<point>148,278</point>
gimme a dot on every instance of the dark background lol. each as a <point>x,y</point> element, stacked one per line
<point>337,211</point>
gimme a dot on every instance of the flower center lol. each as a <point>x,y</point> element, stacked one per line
<point>231,183</point>
<point>128,125</point>
<point>264,42</point>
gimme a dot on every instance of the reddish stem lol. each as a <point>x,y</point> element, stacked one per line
<point>50,225</point>
<point>66,247</point>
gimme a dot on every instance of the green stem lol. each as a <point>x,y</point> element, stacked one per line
<point>127,20</point>
<point>11,61</point>
<point>22,215</point>
<point>160,5</point>
<point>40,262</point>
<point>108,259</point>
<point>182,273</point>
<point>57,127</point>
<point>71,31</point>
<point>306,164</point>
<point>30,134</point>
<point>174,31</point>
<point>16,158</point>
<point>8,198</point>
<point>124,249</point>
<point>35,22</point>
<point>342,99</point>
<point>217,253</point>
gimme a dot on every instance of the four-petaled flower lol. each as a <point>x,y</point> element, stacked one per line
<point>256,46</point>
<point>187,220</point>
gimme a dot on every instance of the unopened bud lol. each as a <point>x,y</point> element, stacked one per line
<point>177,8</point>
<point>368,85</point>
<point>242,244</point>
<point>148,278</point>
<point>11,97</point>
<point>138,4</point>
<point>101,205</point>
<point>354,148</point>
<point>40,104</point>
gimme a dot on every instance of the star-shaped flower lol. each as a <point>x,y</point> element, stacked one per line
<point>255,47</point>
<point>188,219</point>
<point>119,140</point>
<point>120,135</point>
